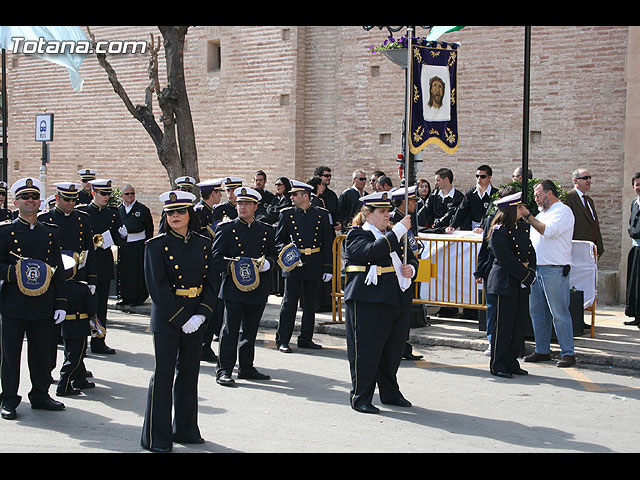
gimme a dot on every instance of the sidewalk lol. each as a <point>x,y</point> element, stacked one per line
<point>614,344</point>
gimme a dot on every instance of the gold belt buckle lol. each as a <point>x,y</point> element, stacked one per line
<point>193,292</point>
<point>307,251</point>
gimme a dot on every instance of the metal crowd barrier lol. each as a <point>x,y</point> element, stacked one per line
<point>445,275</point>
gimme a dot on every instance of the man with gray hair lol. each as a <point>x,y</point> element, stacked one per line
<point>137,227</point>
<point>587,226</point>
<point>349,200</point>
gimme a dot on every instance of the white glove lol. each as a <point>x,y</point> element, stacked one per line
<point>92,289</point>
<point>193,323</point>
<point>326,277</point>
<point>123,231</point>
<point>265,266</point>
<point>399,229</point>
<point>59,316</point>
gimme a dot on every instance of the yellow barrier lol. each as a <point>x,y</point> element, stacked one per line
<point>431,271</point>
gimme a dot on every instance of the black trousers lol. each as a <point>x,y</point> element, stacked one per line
<point>632,297</point>
<point>73,367</point>
<point>376,335</point>
<point>238,336</point>
<point>102,297</point>
<point>507,341</point>
<point>133,287</point>
<point>38,334</point>
<point>176,356</point>
<point>294,290</point>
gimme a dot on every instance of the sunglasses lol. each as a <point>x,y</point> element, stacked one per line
<point>104,194</point>
<point>29,196</point>
<point>179,211</point>
<point>278,184</point>
<point>129,193</point>
<point>481,176</point>
<point>586,177</point>
<point>362,179</point>
<point>327,175</point>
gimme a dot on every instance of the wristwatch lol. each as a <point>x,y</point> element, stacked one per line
<point>527,216</point>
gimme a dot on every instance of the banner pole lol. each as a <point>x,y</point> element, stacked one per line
<point>407,139</point>
<point>525,114</point>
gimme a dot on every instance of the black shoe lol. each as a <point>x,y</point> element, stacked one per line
<point>411,356</point>
<point>630,322</point>
<point>398,402</point>
<point>502,374</point>
<point>157,449</point>
<point>88,374</point>
<point>309,344</point>
<point>225,380</point>
<point>253,375</point>
<point>48,404</point>
<point>8,413</point>
<point>208,355</point>
<point>68,392</point>
<point>366,408</point>
<point>519,371</point>
<point>284,348</point>
<point>196,441</point>
<point>83,384</point>
<point>102,348</point>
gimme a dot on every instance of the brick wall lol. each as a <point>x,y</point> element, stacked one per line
<point>289,98</point>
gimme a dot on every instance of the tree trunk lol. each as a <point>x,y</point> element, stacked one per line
<point>175,142</point>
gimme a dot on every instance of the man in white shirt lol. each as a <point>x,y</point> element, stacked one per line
<point>551,237</point>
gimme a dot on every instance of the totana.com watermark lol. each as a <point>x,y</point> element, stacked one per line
<point>81,47</point>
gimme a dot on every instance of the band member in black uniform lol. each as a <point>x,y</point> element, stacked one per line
<point>228,210</point>
<point>310,230</point>
<point>76,240</point>
<point>81,307</point>
<point>84,194</point>
<point>5,213</point>
<point>105,222</point>
<point>29,303</point>
<point>137,227</point>
<point>210,196</point>
<point>512,272</point>
<point>183,184</point>
<point>244,250</point>
<point>377,317</point>
<point>178,266</point>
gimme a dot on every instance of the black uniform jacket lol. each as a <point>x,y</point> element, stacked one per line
<point>103,219</point>
<point>205,215</point>
<point>362,249</point>
<point>237,238</point>
<point>173,266</point>
<point>438,212</point>
<point>76,236</point>
<point>41,243</point>
<point>226,209</point>
<point>634,221</point>
<point>308,229</point>
<point>514,261</point>
<point>138,219</point>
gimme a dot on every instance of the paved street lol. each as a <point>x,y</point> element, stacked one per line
<point>458,405</point>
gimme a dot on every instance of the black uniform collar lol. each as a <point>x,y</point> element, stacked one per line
<point>298,209</point>
<point>26,223</point>
<point>58,210</point>
<point>97,207</point>
<point>244,222</point>
<point>185,239</point>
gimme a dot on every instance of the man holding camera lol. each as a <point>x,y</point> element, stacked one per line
<point>551,237</point>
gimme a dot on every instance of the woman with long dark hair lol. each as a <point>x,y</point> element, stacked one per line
<point>377,317</point>
<point>179,271</point>
<point>512,272</point>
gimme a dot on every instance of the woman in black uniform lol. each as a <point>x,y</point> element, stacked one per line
<point>377,317</point>
<point>179,271</point>
<point>512,272</point>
